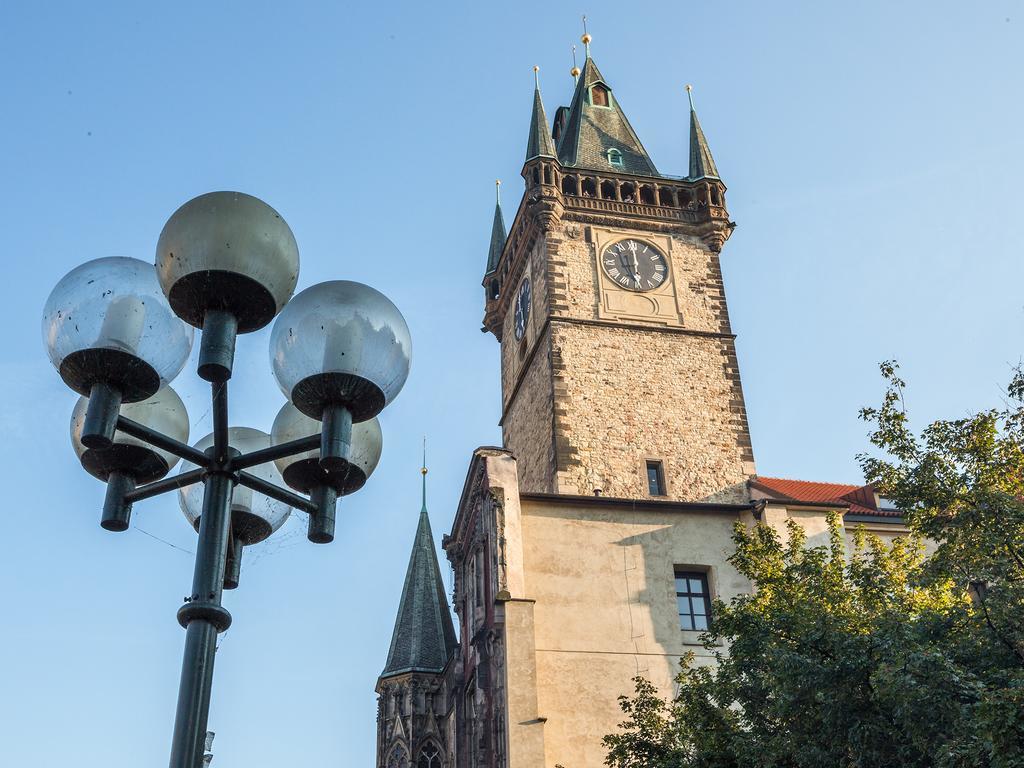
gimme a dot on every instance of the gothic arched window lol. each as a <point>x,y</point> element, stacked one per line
<point>398,758</point>
<point>429,757</point>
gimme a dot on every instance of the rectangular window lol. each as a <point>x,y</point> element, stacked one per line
<point>655,478</point>
<point>693,600</point>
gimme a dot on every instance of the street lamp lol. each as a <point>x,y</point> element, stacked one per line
<point>118,330</point>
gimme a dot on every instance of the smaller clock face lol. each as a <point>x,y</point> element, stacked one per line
<point>522,307</point>
<point>635,265</point>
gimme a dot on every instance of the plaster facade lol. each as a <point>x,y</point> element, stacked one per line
<point>578,599</point>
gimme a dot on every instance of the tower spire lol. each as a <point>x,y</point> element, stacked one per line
<point>424,636</point>
<point>586,37</point>
<point>498,234</point>
<point>702,164</point>
<point>539,143</point>
<point>596,133</point>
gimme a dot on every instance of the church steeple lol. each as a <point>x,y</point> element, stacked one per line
<point>597,135</point>
<point>539,143</point>
<point>424,637</point>
<point>702,164</point>
<point>498,233</point>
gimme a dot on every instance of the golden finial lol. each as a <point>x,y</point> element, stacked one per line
<point>586,37</point>
<point>575,71</point>
<point>689,94</point>
<point>536,76</point>
<point>497,191</point>
<point>423,471</point>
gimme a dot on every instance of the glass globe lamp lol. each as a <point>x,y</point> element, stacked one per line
<point>107,322</point>
<point>254,516</point>
<point>303,471</point>
<point>340,343</point>
<point>227,252</point>
<point>164,412</point>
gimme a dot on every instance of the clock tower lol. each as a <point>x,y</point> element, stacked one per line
<point>618,363</point>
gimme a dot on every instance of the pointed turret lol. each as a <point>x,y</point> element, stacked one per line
<point>498,232</point>
<point>539,143</point>
<point>702,164</point>
<point>424,636</point>
<point>597,134</point>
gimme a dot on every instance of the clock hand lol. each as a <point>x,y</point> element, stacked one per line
<point>636,269</point>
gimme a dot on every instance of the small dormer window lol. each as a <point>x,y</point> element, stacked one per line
<point>599,96</point>
<point>615,157</point>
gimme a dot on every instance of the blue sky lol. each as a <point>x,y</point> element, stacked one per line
<point>873,157</point>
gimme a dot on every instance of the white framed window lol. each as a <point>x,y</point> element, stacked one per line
<point>615,157</point>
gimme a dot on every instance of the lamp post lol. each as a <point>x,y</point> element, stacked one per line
<point>118,330</point>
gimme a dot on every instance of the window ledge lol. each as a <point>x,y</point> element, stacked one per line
<point>692,637</point>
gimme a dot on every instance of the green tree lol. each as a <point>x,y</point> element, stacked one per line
<point>877,656</point>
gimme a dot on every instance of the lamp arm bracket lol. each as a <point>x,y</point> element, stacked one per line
<point>274,492</point>
<point>292,447</point>
<point>154,438</point>
<point>172,483</point>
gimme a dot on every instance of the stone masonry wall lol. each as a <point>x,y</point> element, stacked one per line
<point>626,396</point>
<point>594,395</point>
<point>528,424</point>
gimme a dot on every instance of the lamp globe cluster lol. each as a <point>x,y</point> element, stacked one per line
<point>119,330</point>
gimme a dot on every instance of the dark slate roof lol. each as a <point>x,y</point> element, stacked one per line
<point>702,164</point>
<point>424,637</point>
<point>498,238</point>
<point>591,131</point>
<point>540,143</point>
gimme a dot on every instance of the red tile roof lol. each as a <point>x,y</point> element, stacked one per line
<point>804,490</point>
<point>859,499</point>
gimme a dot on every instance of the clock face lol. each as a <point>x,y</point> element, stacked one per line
<point>522,307</point>
<point>634,265</point>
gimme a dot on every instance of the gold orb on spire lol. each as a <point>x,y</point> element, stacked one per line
<point>586,38</point>
<point>689,87</point>
<point>575,71</point>
<point>536,68</point>
<point>423,470</point>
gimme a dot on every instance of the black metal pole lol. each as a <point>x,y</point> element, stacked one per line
<point>203,617</point>
<point>217,345</point>
<point>220,421</point>
<point>117,509</point>
<point>101,416</point>
<point>321,522</point>
<point>336,437</point>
